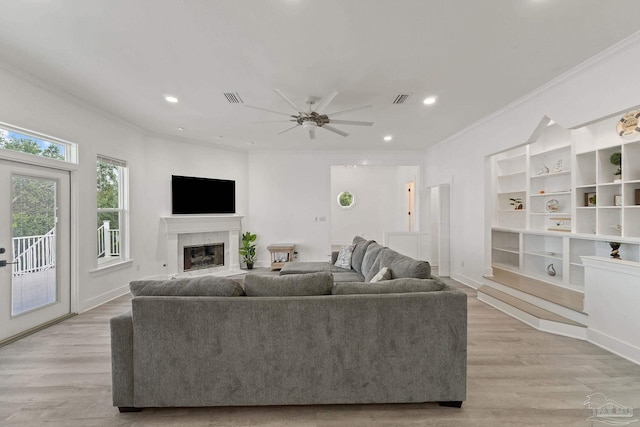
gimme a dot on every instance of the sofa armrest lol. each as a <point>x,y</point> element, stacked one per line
<point>122,360</point>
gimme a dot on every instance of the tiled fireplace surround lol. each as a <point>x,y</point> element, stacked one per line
<point>191,230</point>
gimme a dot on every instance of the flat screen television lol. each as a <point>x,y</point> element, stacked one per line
<point>193,195</point>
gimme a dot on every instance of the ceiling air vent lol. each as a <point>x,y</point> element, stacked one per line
<point>233,98</point>
<point>402,98</point>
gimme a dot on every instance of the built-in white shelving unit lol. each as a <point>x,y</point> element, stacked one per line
<point>573,203</point>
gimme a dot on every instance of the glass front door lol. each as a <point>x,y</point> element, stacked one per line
<point>34,241</point>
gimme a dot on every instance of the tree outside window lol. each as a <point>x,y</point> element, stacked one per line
<point>111,207</point>
<point>34,209</point>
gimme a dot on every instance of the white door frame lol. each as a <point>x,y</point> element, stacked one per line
<point>21,161</point>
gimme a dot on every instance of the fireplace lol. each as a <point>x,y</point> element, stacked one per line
<point>203,256</point>
<point>184,231</point>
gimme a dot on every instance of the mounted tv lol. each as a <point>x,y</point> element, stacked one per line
<point>193,195</point>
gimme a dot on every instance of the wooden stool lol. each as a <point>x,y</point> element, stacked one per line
<point>277,249</point>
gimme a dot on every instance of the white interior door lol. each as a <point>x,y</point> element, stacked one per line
<point>35,285</point>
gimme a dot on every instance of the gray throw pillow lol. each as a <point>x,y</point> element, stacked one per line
<point>394,286</point>
<point>256,285</point>
<point>205,286</point>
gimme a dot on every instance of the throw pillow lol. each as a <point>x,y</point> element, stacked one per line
<point>395,286</point>
<point>383,274</point>
<point>256,285</point>
<point>344,257</point>
<point>206,286</point>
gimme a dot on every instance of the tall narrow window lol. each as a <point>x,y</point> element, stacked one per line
<point>112,210</point>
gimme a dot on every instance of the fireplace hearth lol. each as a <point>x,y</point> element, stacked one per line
<point>203,256</point>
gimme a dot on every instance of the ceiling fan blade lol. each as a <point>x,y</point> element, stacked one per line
<point>288,129</point>
<point>271,111</point>
<point>334,130</point>
<point>312,133</point>
<point>274,121</point>
<point>288,101</point>
<point>349,109</point>
<point>351,122</point>
<point>325,101</point>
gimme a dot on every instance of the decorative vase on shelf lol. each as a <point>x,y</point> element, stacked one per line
<point>550,270</point>
<point>543,171</point>
<point>615,246</point>
<point>558,166</point>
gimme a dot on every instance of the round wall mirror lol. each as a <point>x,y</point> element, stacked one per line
<point>346,199</point>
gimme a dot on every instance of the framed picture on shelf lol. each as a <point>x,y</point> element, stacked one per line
<point>589,199</point>
<point>617,200</point>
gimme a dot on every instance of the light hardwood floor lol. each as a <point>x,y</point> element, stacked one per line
<point>517,376</point>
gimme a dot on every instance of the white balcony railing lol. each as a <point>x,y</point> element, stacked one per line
<point>108,241</point>
<point>34,253</point>
<point>38,253</point>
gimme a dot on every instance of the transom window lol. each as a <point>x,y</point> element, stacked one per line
<point>20,140</point>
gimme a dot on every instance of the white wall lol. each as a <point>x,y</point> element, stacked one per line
<point>605,85</point>
<point>290,193</point>
<point>380,202</point>
<point>30,104</point>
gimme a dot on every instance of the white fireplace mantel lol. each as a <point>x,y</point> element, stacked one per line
<point>175,225</point>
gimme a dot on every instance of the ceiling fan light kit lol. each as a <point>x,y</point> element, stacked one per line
<point>313,118</point>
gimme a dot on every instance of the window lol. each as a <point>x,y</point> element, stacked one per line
<point>16,139</point>
<point>346,199</point>
<point>112,211</point>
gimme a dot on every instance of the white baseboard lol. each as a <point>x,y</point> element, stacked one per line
<point>465,280</point>
<point>103,298</point>
<point>614,345</point>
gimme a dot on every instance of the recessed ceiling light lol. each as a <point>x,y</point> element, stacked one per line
<point>181,128</point>
<point>250,143</point>
<point>430,100</point>
<point>388,138</point>
<point>171,99</point>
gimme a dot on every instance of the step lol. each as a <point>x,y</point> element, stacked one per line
<point>532,309</point>
<point>532,315</point>
<point>565,297</point>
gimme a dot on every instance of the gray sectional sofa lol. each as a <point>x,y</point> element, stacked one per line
<point>367,259</point>
<point>295,339</point>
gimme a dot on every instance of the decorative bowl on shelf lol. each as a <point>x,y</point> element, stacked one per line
<point>552,205</point>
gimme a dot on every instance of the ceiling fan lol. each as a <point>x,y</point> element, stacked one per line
<point>313,117</point>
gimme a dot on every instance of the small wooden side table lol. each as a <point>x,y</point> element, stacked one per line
<point>280,253</point>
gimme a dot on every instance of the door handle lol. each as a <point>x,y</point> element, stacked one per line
<point>3,262</point>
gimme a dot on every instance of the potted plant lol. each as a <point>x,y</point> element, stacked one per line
<point>516,202</point>
<point>616,160</point>
<point>248,249</point>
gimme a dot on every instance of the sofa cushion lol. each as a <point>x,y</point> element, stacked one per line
<point>383,274</point>
<point>344,257</point>
<point>210,286</point>
<point>394,286</point>
<point>302,267</point>
<point>372,252</point>
<point>359,251</point>
<point>348,276</point>
<point>256,285</point>
<point>403,266</point>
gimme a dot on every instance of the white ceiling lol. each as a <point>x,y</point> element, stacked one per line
<point>477,56</point>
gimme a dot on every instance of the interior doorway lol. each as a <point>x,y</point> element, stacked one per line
<point>435,220</point>
<point>411,203</point>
